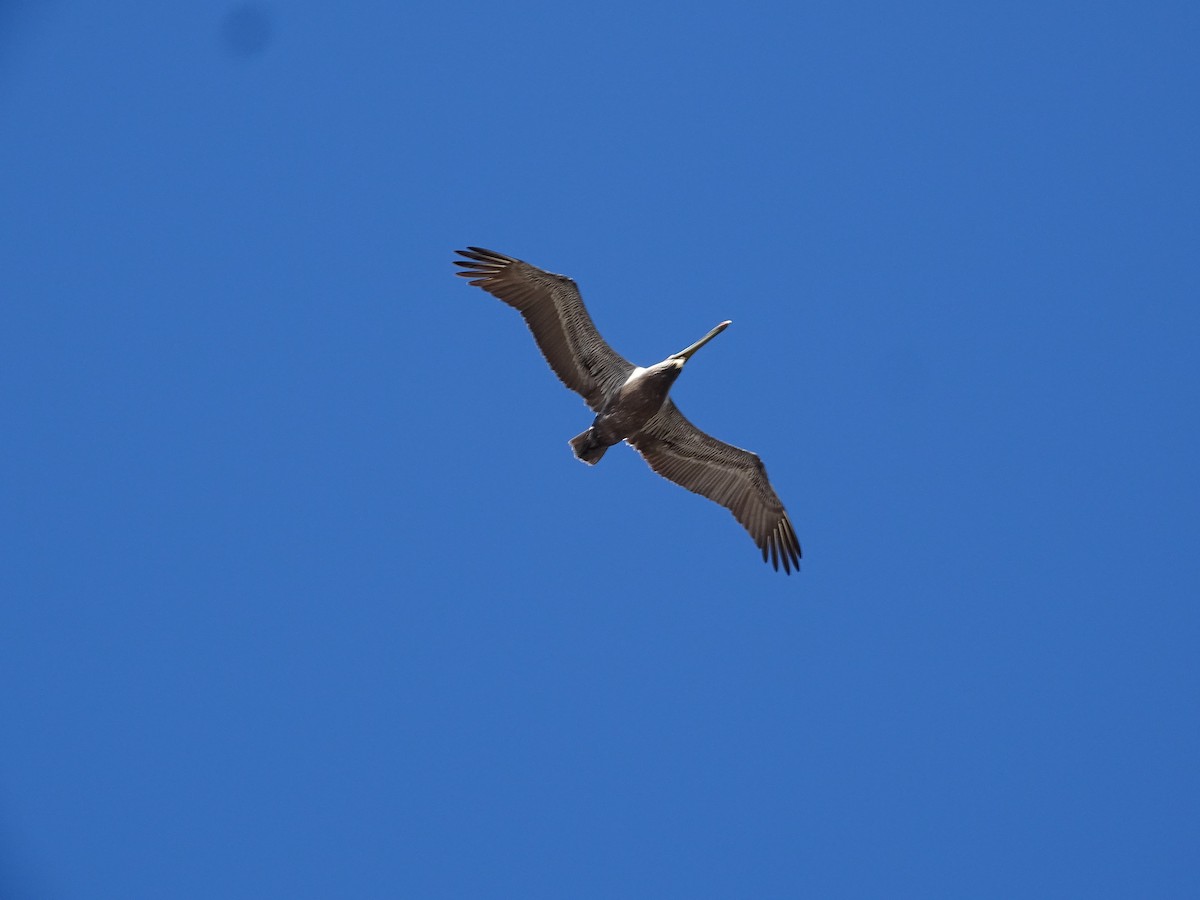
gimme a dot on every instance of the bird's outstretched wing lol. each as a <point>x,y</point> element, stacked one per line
<point>737,479</point>
<point>560,323</point>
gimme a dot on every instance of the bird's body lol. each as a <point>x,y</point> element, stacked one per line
<point>632,403</point>
<point>629,408</point>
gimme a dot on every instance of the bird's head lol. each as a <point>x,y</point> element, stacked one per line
<point>684,355</point>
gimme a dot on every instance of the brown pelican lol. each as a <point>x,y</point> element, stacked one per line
<point>631,402</point>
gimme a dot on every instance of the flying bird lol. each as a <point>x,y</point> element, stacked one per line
<point>631,402</point>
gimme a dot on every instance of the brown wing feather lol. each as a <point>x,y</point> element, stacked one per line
<point>735,478</point>
<point>554,312</point>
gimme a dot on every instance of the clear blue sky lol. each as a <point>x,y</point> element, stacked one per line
<point>303,594</point>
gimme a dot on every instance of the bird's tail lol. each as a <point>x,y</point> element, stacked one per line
<point>587,447</point>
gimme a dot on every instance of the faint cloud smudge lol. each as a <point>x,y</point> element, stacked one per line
<point>14,17</point>
<point>246,30</point>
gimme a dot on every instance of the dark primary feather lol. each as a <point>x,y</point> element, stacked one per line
<point>735,478</point>
<point>554,312</point>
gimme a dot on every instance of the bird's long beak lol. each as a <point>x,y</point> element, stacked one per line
<point>687,354</point>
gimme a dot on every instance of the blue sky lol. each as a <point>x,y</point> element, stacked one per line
<point>305,596</point>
